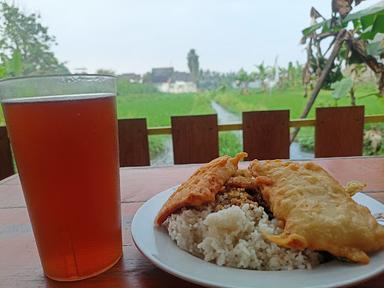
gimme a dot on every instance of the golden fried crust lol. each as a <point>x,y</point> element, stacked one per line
<point>202,186</point>
<point>318,212</point>
<point>242,179</point>
<point>353,187</point>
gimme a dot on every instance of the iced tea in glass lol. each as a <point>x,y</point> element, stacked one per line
<point>63,131</point>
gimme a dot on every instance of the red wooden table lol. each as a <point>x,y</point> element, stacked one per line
<point>19,261</point>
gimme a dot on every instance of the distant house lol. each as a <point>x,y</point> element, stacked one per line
<point>181,77</point>
<point>170,81</point>
<point>131,77</point>
<point>161,75</point>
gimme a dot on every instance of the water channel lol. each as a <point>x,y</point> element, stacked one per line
<point>224,117</point>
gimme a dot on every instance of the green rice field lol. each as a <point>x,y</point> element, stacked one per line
<point>144,101</point>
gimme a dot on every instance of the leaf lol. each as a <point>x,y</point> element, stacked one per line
<point>378,26</point>
<point>375,28</point>
<point>367,17</point>
<point>367,21</point>
<point>2,71</point>
<point>315,14</point>
<point>14,66</point>
<point>22,34</point>
<point>375,48</point>
<point>370,11</point>
<point>356,24</point>
<point>326,27</point>
<point>309,30</point>
<point>341,88</point>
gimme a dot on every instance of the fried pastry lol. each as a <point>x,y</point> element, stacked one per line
<point>242,179</point>
<point>202,186</point>
<point>318,213</point>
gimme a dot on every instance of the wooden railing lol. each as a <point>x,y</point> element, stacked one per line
<point>167,130</point>
<point>338,132</point>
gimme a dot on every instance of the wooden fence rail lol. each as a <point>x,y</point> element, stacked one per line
<point>311,122</point>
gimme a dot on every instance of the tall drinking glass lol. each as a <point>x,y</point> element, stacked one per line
<point>63,131</point>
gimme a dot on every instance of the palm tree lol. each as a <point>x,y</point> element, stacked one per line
<point>243,79</point>
<point>262,75</point>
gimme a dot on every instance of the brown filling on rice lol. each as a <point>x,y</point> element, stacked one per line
<point>233,196</point>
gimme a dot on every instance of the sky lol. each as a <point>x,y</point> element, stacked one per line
<point>137,35</point>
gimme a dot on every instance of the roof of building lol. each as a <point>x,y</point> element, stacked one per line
<point>161,75</point>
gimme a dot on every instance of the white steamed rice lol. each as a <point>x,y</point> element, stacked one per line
<point>233,237</point>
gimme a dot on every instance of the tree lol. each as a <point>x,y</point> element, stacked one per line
<point>262,75</point>
<point>283,77</point>
<point>243,79</point>
<point>193,65</point>
<point>355,39</point>
<point>105,72</point>
<point>25,45</point>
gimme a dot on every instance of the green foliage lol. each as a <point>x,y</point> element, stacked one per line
<point>372,24</point>
<point>242,76</point>
<point>307,142</point>
<point>25,45</point>
<point>3,71</point>
<point>374,139</point>
<point>136,102</point>
<point>125,88</point>
<point>290,76</point>
<point>243,79</point>
<point>156,145</point>
<point>375,48</point>
<point>348,46</point>
<point>229,143</point>
<point>262,75</point>
<point>14,66</point>
<point>334,74</point>
<point>368,19</point>
<point>102,71</point>
<point>341,88</point>
<point>212,80</point>
<point>292,99</point>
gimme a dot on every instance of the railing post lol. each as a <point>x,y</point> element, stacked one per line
<point>6,162</point>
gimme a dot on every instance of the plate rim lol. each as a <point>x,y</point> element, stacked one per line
<point>209,283</point>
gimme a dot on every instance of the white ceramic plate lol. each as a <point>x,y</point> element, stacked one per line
<point>158,247</point>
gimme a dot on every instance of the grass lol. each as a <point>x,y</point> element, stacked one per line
<point>139,101</point>
<point>229,144</point>
<point>293,100</point>
<point>158,108</point>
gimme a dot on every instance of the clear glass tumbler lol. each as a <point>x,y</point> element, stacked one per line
<point>63,132</point>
